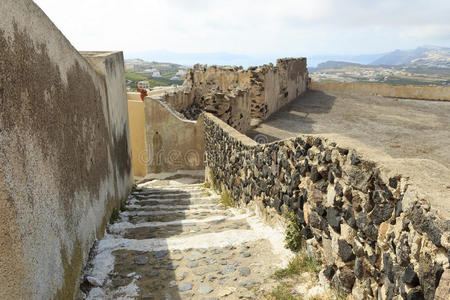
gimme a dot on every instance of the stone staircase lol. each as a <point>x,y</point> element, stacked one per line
<point>178,242</point>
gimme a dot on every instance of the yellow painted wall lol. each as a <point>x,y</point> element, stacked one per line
<point>136,115</point>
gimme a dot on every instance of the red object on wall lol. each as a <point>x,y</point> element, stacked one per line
<point>143,93</point>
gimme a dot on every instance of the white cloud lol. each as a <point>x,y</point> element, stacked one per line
<point>251,26</point>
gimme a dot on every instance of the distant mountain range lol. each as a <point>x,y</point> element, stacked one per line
<point>421,57</point>
<point>190,59</point>
<point>425,56</point>
<point>430,56</point>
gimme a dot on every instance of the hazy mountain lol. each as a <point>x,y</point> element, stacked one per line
<point>315,60</point>
<point>425,56</point>
<point>190,59</point>
<point>334,65</point>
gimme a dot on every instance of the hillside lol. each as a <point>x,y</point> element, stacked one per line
<point>420,66</point>
<point>156,73</point>
<point>426,56</point>
<point>333,65</point>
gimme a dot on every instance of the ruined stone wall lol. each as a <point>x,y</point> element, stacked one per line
<point>380,225</point>
<point>236,95</point>
<point>64,154</point>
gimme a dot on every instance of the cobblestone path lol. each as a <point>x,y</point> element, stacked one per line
<point>178,242</point>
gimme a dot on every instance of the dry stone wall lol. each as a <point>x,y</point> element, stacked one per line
<point>236,95</point>
<point>376,237</point>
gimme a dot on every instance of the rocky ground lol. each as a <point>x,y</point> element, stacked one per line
<point>179,242</point>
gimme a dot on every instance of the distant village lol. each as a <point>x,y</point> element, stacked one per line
<point>148,75</point>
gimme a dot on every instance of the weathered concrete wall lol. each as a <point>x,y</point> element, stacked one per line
<point>381,225</point>
<point>173,143</point>
<point>136,114</point>
<point>386,90</point>
<point>111,66</point>
<point>64,155</point>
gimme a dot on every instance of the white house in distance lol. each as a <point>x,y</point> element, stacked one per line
<point>156,74</point>
<point>175,78</point>
<point>143,85</point>
<point>181,73</point>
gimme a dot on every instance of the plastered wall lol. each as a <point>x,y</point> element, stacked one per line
<point>64,153</point>
<point>136,115</point>
<point>172,142</point>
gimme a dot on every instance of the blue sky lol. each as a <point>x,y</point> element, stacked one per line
<point>260,28</point>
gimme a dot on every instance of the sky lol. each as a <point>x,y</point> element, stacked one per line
<point>252,27</point>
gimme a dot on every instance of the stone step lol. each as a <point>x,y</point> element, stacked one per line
<point>132,213</point>
<point>140,233</point>
<point>176,197</point>
<point>169,194</point>
<point>206,273</point>
<point>233,237</point>
<point>119,227</point>
<point>174,215</point>
<point>165,186</point>
<point>156,207</point>
<point>187,201</point>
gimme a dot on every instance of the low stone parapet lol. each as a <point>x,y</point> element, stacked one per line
<point>387,90</point>
<point>381,225</point>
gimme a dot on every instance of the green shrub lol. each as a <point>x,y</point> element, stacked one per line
<point>226,199</point>
<point>114,216</point>
<point>300,264</point>
<point>293,239</point>
<point>283,292</point>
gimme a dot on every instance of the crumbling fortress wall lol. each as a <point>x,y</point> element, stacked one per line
<point>380,224</point>
<point>64,153</point>
<point>236,95</point>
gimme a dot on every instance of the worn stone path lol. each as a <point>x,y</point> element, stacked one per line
<point>178,242</point>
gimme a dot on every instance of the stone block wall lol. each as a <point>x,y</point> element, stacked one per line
<point>374,228</point>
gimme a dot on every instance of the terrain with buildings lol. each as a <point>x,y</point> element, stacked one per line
<point>154,73</point>
<point>422,66</point>
<point>241,183</point>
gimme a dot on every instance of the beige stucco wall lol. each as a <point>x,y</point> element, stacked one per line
<point>386,90</point>
<point>64,154</point>
<point>137,137</point>
<point>172,142</point>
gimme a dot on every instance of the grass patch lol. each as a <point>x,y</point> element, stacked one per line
<point>226,200</point>
<point>114,216</point>
<point>206,185</point>
<point>293,239</point>
<point>213,180</point>
<point>300,264</point>
<point>283,292</point>
<point>123,206</point>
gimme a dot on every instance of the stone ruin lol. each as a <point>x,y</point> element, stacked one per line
<point>236,95</point>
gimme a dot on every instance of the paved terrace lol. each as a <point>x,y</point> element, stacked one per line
<point>403,128</point>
